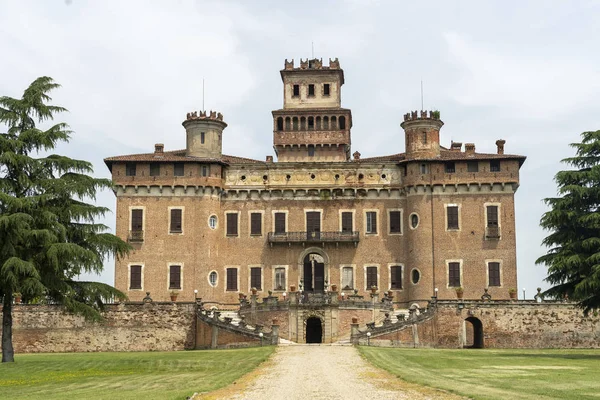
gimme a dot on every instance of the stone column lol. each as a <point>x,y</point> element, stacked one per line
<point>415,332</point>
<point>214,338</point>
<point>275,335</point>
<point>354,331</point>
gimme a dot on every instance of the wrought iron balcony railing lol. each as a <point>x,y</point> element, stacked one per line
<point>313,237</point>
<point>136,236</point>
<point>492,232</point>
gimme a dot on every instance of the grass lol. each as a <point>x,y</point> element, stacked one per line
<point>496,374</point>
<point>155,375</point>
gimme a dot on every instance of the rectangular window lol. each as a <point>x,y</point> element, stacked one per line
<point>296,90</point>
<point>424,168</point>
<point>256,278</point>
<point>395,222</point>
<point>175,277</point>
<point>130,169</point>
<point>492,216</point>
<point>495,166</point>
<point>279,278</point>
<point>371,222</point>
<point>311,150</point>
<point>346,222</point>
<point>176,223</point>
<point>326,90</point>
<point>256,224</point>
<point>202,137</point>
<point>154,169</point>
<point>205,170</point>
<point>232,276</point>
<point>454,274</point>
<point>137,220</point>
<point>135,279</point>
<point>178,169</point>
<point>232,224</point>
<point>450,167</point>
<point>347,278</point>
<point>452,216</point>
<point>494,274</point>
<point>396,277</point>
<point>371,277</point>
<point>472,166</point>
<point>311,90</point>
<point>279,223</point>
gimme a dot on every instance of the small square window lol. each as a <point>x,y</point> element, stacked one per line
<point>130,169</point>
<point>472,166</point>
<point>154,169</point>
<point>450,167</point>
<point>178,169</point>
<point>495,166</point>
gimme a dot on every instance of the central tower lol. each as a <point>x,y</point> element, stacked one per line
<point>312,126</point>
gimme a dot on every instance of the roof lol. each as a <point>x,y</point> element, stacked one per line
<point>178,156</point>
<point>448,155</point>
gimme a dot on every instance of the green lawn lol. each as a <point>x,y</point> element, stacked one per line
<point>496,374</point>
<point>156,375</point>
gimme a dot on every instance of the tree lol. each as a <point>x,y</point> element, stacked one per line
<point>47,230</point>
<point>573,260</point>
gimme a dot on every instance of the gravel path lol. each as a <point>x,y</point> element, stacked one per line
<point>322,372</point>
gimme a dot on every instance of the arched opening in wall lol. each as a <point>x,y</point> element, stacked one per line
<point>333,123</point>
<point>325,123</point>
<point>314,273</point>
<point>302,123</point>
<point>318,123</point>
<point>474,333</point>
<point>342,122</point>
<point>280,124</point>
<point>311,123</point>
<point>295,123</point>
<point>314,330</point>
<point>288,124</point>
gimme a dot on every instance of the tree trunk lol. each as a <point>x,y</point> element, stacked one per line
<point>8,353</point>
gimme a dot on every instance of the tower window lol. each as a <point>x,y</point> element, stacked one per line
<point>202,135</point>
<point>424,168</point>
<point>135,277</point>
<point>454,274</point>
<point>205,170</point>
<point>255,277</point>
<point>424,137</point>
<point>311,150</point>
<point>232,224</point>
<point>311,123</point>
<point>371,222</point>
<point>494,274</point>
<point>452,217</point>
<point>495,166</point>
<point>178,169</point>
<point>472,166</point>
<point>395,222</point>
<point>311,90</point>
<point>280,124</point>
<point>342,122</point>
<point>154,169</point>
<point>175,277</point>
<point>232,276</point>
<point>296,90</point>
<point>326,89</point>
<point>396,277</point>
<point>450,167</point>
<point>130,169</point>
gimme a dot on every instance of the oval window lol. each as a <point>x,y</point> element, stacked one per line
<point>212,278</point>
<point>415,276</point>
<point>414,221</point>
<point>212,222</point>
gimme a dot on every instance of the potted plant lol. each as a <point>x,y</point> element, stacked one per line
<point>512,292</point>
<point>459,292</point>
<point>334,288</point>
<point>174,294</point>
<point>17,296</point>
<point>292,288</point>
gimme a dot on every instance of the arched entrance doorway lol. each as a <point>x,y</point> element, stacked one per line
<point>314,273</point>
<point>474,333</point>
<point>314,330</point>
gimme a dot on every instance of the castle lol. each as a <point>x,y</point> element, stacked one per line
<point>318,218</point>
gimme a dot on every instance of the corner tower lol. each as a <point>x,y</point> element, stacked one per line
<point>312,126</point>
<point>422,134</point>
<point>204,134</point>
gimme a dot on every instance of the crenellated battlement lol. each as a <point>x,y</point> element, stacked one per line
<point>315,63</point>
<point>414,115</point>
<point>212,115</point>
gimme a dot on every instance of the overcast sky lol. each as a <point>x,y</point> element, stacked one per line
<point>526,71</point>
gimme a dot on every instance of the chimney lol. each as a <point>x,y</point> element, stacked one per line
<point>159,148</point>
<point>269,159</point>
<point>470,148</point>
<point>455,146</point>
<point>500,144</point>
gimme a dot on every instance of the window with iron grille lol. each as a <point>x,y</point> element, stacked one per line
<point>371,222</point>
<point>232,224</point>
<point>494,274</point>
<point>176,221</point>
<point>454,274</point>
<point>279,222</point>
<point>154,169</point>
<point>137,220</point>
<point>495,166</point>
<point>346,222</point>
<point>256,278</point>
<point>347,278</point>
<point>130,169</point>
<point>178,169</point>
<point>280,279</point>
<point>396,277</point>
<point>492,215</point>
<point>452,217</point>
<point>175,277</point>
<point>371,277</point>
<point>395,222</point>
<point>232,283</point>
<point>135,277</point>
<point>256,224</point>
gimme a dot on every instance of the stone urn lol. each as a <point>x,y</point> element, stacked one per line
<point>334,288</point>
<point>292,288</point>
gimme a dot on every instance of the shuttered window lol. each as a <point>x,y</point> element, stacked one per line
<point>346,222</point>
<point>494,274</point>
<point>347,278</point>
<point>313,221</point>
<point>175,277</point>
<point>176,225</point>
<point>279,222</point>
<point>135,279</point>
<point>454,274</point>
<point>232,224</point>
<point>371,222</point>
<point>137,220</point>
<point>255,278</point>
<point>396,277</point>
<point>452,217</point>
<point>256,224</point>
<point>395,222</point>
<point>371,277</point>
<point>232,278</point>
<point>492,215</point>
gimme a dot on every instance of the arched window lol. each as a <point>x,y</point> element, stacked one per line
<point>302,123</point>
<point>311,123</point>
<point>288,124</point>
<point>333,123</point>
<point>280,124</point>
<point>318,123</point>
<point>326,123</point>
<point>342,122</point>
<point>295,123</point>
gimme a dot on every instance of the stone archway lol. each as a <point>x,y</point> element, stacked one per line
<point>314,330</point>
<point>473,333</point>
<point>313,265</point>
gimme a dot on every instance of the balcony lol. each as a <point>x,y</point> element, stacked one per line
<point>313,237</point>
<point>135,237</point>
<point>492,232</point>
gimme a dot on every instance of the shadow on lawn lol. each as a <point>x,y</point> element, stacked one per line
<point>555,355</point>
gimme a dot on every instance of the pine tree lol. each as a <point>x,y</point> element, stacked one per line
<point>573,260</point>
<point>47,230</point>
